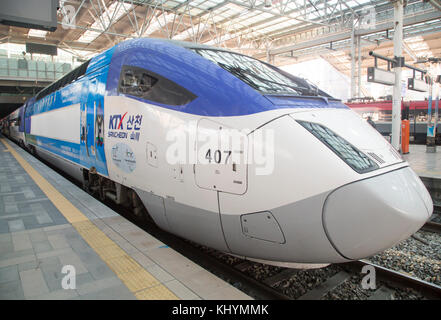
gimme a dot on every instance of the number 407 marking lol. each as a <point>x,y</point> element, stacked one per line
<point>217,156</point>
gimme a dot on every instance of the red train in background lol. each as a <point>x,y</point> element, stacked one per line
<point>414,111</point>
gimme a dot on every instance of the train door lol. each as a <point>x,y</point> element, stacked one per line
<point>222,164</point>
<point>88,111</point>
<point>92,127</point>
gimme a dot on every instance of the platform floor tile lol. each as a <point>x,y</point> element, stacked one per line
<point>427,165</point>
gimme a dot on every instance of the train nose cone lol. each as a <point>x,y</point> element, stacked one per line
<point>371,215</point>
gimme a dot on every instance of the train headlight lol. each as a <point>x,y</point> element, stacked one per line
<point>353,157</point>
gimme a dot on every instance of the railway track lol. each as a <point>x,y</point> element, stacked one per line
<point>388,282</point>
<point>399,279</point>
<point>432,227</point>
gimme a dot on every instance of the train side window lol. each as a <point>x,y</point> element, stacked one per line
<point>151,86</point>
<point>65,80</point>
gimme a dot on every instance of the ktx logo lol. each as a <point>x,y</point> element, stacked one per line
<point>116,121</point>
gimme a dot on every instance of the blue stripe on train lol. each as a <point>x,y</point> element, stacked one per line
<point>220,94</point>
<point>64,149</point>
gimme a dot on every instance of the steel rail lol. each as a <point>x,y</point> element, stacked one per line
<point>432,227</point>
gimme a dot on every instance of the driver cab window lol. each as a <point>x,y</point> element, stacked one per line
<point>136,82</point>
<point>147,85</point>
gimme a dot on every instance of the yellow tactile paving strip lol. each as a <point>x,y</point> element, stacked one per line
<point>138,280</point>
<point>154,293</point>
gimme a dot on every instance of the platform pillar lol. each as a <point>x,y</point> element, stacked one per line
<point>436,115</point>
<point>430,138</point>
<point>353,85</point>
<point>398,50</point>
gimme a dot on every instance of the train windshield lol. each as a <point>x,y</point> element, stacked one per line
<point>261,76</point>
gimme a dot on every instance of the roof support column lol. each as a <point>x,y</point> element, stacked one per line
<point>353,61</point>
<point>398,50</point>
<point>359,66</point>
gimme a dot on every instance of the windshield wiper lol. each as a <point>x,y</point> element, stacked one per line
<point>312,87</point>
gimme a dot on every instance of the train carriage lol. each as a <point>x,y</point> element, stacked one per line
<point>14,126</point>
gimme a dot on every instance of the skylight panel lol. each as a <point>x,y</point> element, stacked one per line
<point>192,31</point>
<point>159,22</point>
<point>112,13</point>
<point>88,36</point>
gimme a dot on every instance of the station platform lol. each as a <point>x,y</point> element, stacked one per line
<point>426,165</point>
<point>47,223</point>
<point>428,168</point>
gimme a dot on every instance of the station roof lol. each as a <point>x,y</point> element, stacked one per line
<point>281,31</point>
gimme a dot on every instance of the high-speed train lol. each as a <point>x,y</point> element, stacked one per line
<point>229,152</point>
